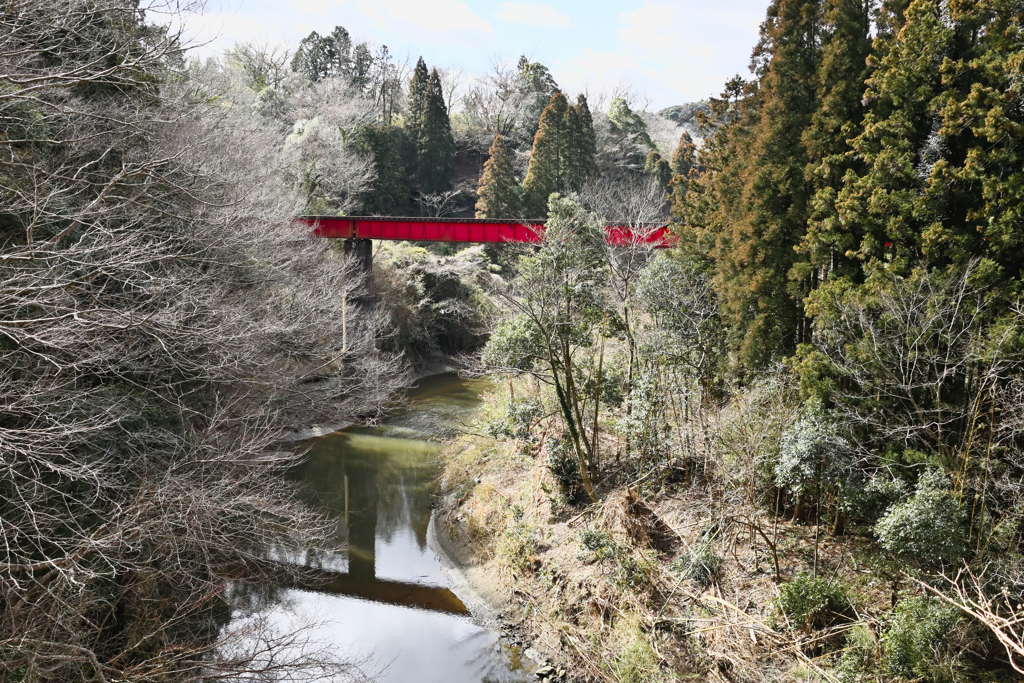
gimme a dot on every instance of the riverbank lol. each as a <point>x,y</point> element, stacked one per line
<point>659,581</point>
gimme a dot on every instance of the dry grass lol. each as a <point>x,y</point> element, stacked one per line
<point>602,589</point>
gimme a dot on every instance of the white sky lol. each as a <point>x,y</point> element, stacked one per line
<point>672,51</point>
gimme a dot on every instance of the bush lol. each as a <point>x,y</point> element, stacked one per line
<point>930,529</point>
<point>867,501</point>
<point>812,603</point>
<point>518,422</point>
<point>699,563</point>
<point>813,456</point>
<point>914,641</point>
<point>518,544</point>
<point>565,467</point>
<point>858,663</point>
<point>598,543</point>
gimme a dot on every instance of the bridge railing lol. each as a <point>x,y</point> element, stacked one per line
<point>468,230</point>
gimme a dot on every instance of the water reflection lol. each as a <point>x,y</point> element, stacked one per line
<point>383,590</point>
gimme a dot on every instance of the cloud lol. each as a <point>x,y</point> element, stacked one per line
<point>533,15</point>
<point>678,52</point>
<point>443,16</point>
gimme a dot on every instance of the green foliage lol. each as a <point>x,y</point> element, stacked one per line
<point>686,329</point>
<point>843,68</point>
<point>813,455</point>
<point>811,603</point>
<point>499,192</point>
<point>699,563</point>
<point>435,145</point>
<point>388,194</point>
<point>518,543</point>
<point>417,100</point>
<point>565,466</point>
<point>930,529</point>
<point>627,122</point>
<point>866,501</point>
<point>318,57</point>
<point>915,641</point>
<point>598,543</point>
<point>685,156</point>
<point>518,422</point>
<point>646,426</point>
<point>658,168</point>
<point>859,662</point>
<point>514,344</point>
<point>434,303</point>
<point>563,155</point>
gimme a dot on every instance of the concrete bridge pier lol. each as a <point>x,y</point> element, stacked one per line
<point>362,252</point>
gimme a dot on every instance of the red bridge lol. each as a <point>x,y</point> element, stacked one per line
<point>466,230</point>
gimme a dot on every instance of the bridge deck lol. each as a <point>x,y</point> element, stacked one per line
<point>465,230</point>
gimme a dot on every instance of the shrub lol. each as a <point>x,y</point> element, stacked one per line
<point>565,467</point>
<point>598,543</point>
<point>699,563</point>
<point>867,501</point>
<point>518,421</point>
<point>914,641</point>
<point>930,529</point>
<point>858,663</point>
<point>812,455</point>
<point>812,603</point>
<point>518,544</point>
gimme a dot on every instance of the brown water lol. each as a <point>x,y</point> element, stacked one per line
<point>383,593</point>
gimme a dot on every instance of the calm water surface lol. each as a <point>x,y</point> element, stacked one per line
<point>385,595</point>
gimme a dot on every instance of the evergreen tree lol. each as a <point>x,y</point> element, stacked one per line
<point>435,147</point>
<point>362,65</point>
<point>584,146</point>
<point>658,168</point>
<point>499,191</point>
<point>546,173</point>
<point>887,203</point>
<point>417,100</point>
<point>564,152</point>
<point>846,47</point>
<point>756,261</point>
<point>684,157</point>
<point>536,86</point>
<point>314,57</point>
<point>388,194</point>
<point>319,57</point>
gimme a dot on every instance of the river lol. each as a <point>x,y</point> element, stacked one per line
<point>384,596</point>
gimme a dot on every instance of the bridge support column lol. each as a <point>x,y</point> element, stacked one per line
<point>362,251</point>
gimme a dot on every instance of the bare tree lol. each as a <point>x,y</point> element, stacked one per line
<point>158,321</point>
<point>636,206</point>
<point>1001,613</point>
<point>440,203</point>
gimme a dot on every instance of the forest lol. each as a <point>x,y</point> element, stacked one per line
<point>789,448</point>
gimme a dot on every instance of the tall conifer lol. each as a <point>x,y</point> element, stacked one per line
<point>417,98</point>
<point>499,191</point>
<point>584,147</point>
<point>435,148</point>
<point>846,46</point>
<point>546,173</point>
<point>887,203</point>
<point>684,157</point>
<point>762,303</point>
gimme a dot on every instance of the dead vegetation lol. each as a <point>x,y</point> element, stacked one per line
<point>682,574</point>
